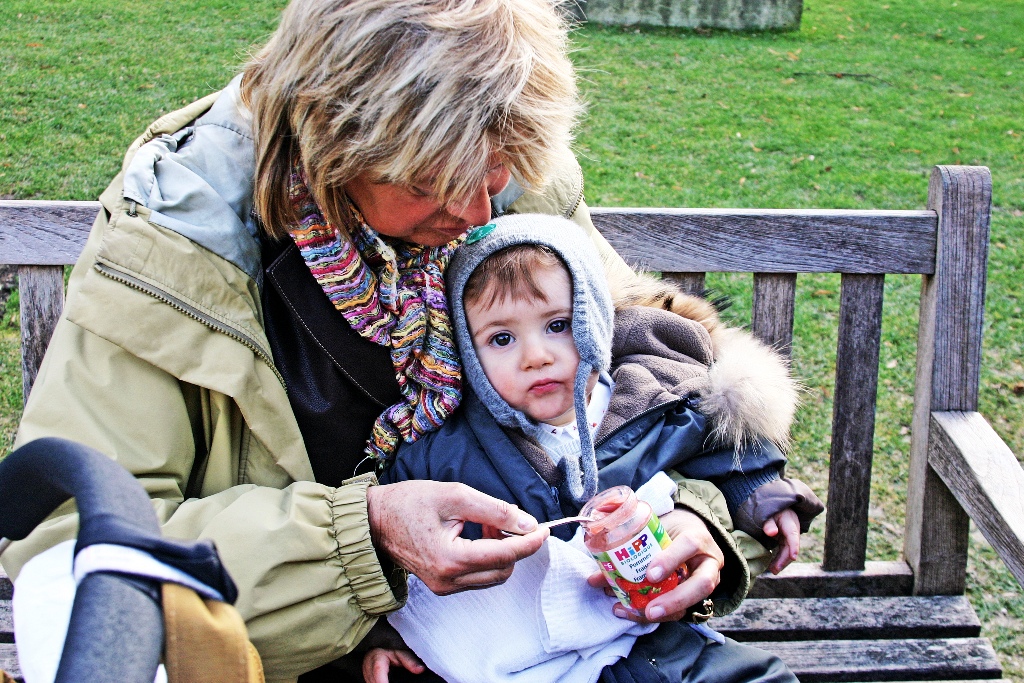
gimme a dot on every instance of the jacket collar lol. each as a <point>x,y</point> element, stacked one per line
<point>197,179</point>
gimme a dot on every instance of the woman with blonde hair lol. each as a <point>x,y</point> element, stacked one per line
<point>259,318</point>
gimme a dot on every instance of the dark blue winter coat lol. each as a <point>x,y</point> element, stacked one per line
<point>653,423</point>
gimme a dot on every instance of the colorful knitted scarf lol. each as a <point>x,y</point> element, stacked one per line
<point>392,293</point>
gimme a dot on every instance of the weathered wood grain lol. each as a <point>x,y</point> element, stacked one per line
<point>6,622</point>
<point>948,368</point>
<point>772,315</point>
<point>42,301</point>
<point>44,233</point>
<point>691,283</point>
<point>985,478</point>
<point>887,660</point>
<point>945,616</point>
<point>853,421</point>
<point>675,240</point>
<point>9,661</point>
<point>772,241</point>
<point>809,580</point>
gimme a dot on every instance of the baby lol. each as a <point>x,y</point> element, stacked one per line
<point>566,397</point>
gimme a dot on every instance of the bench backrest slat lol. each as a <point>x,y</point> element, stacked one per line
<point>771,318</point>
<point>772,241</point>
<point>692,283</point>
<point>44,233</point>
<point>853,421</point>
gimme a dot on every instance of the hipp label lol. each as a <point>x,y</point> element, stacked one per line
<point>631,559</point>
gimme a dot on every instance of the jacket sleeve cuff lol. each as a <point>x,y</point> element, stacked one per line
<point>379,586</point>
<point>707,502</point>
<point>772,498</point>
<point>760,462</point>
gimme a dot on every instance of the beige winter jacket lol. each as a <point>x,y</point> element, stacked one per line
<point>161,362</point>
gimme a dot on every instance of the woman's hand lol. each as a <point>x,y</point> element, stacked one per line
<point>377,663</point>
<point>418,524</point>
<point>692,546</point>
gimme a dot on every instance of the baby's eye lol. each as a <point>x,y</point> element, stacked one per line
<point>558,326</point>
<point>501,339</point>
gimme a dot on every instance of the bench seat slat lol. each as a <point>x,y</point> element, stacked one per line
<point>772,241</point>
<point>853,421</point>
<point>947,616</point>
<point>6,622</point>
<point>6,618</point>
<point>887,660</point>
<point>809,580</point>
<point>9,661</point>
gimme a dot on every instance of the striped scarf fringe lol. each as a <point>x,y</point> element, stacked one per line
<point>391,293</point>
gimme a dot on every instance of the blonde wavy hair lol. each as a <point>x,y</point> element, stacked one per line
<point>411,92</point>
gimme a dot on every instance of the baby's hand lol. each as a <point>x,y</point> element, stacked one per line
<point>788,524</point>
<point>378,662</point>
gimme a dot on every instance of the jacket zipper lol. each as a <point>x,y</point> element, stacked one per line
<point>182,307</point>
<point>579,196</point>
<point>630,421</point>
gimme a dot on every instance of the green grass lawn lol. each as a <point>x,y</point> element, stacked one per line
<point>850,112</point>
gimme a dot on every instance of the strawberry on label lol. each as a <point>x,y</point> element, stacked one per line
<point>639,600</point>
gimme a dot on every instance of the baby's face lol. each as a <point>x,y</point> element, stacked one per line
<point>527,350</point>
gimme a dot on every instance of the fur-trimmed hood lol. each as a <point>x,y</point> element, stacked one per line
<point>744,387</point>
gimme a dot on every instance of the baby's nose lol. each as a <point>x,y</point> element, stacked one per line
<point>537,354</point>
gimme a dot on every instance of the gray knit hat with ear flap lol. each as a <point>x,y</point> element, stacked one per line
<point>592,324</point>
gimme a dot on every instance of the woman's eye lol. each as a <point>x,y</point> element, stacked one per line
<point>501,339</point>
<point>558,326</point>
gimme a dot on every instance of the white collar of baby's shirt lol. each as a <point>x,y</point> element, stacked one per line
<point>558,441</point>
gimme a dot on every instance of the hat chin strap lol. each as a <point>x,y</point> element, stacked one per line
<point>579,483</point>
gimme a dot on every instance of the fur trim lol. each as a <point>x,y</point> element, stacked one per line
<point>640,289</point>
<point>751,392</point>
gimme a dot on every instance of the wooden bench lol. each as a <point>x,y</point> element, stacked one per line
<point>847,619</point>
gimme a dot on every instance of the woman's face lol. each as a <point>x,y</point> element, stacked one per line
<point>413,213</point>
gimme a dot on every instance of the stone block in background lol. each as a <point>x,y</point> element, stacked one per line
<point>738,15</point>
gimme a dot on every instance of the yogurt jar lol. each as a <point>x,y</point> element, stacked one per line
<point>624,535</point>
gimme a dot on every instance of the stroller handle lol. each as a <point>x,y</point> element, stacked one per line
<point>44,473</point>
<point>116,630</point>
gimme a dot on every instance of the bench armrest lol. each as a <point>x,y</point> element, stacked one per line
<point>984,476</point>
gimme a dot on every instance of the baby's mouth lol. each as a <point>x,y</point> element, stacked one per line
<point>544,386</point>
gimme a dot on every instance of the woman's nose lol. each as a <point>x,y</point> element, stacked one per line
<point>476,209</point>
